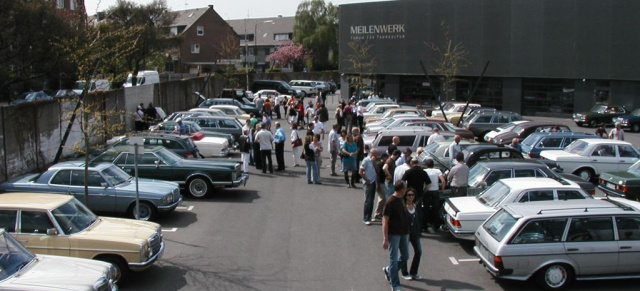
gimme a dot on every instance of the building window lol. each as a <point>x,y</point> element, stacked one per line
<point>246,37</point>
<point>272,50</point>
<point>251,51</point>
<point>73,4</point>
<point>174,30</point>
<point>281,36</point>
<point>60,4</point>
<point>195,48</point>
<point>200,30</point>
<point>547,96</point>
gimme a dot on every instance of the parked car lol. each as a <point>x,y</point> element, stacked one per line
<point>523,130</point>
<point>625,184</point>
<point>409,138</point>
<point>308,88</point>
<point>210,111</point>
<point>58,224</point>
<point>266,93</point>
<point>192,129</point>
<point>184,114</point>
<point>453,109</point>
<point>599,114</point>
<point>94,85</point>
<point>181,145</point>
<point>22,270</point>
<point>390,123</point>
<point>228,101</point>
<point>65,94</point>
<point>235,93</point>
<point>505,127</point>
<point>197,176</point>
<point>368,102</point>
<point>465,214</point>
<point>557,242</point>
<point>111,190</point>
<point>378,110</point>
<point>482,123</point>
<point>395,112</point>
<point>544,141</point>
<point>32,97</point>
<point>439,153</point>
<point>487,152</point>
<point>231,110</point>
<point>226,124</point>
<point>281,86</point>
<point>588,158</point>
<point>442,127</point>
<point>632,120</point>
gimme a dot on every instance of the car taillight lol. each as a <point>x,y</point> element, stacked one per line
<point>529,154</point>
<point>454,222</point>
<point>621,188</point>
<point>366,147</point>
<point>497,262</point>
<point>585,118</point>
<point>188,155</point>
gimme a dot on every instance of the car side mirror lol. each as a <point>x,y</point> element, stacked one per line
<point>483,185</point>
<point>157,162</point>
<point>52,231</point>
<point>104,185</point>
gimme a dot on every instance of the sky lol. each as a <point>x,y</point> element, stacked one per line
<point>227,9</point>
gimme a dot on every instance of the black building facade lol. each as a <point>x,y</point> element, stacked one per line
<point>546,57</point>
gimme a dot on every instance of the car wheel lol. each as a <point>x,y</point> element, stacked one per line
<point>555,277</point>
<point>584,173</point>
<point>304,94</point>
<point>593,123</point>
<point>147,211</point>
<point>635,127</point>
<point>121,268</point>
<point>198,187</point>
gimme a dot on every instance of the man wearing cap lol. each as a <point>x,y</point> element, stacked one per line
<point>405,157</point>
<point>180,129</point>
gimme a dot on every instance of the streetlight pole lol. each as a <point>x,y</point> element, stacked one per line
<point>246,51</point>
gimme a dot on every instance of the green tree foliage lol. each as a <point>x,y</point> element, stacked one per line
<point>361,63</point>
<point>27,58</point>
<point>316,28</point>
<point>152,37</point>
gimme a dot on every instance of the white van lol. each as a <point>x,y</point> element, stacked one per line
<point>143,78</point>
<point>100,84</point>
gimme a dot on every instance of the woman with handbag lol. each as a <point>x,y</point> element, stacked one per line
<point>349,160</point>
<point>310,158</point>
<point>296,142</point>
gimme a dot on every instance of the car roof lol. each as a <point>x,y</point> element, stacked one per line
<point>222,106</point>
<point>210,117</point>
<point>174,136</point>
<point>511,163</point>
<point>562,133</point>
<point>536,182</point>
<point>604,141</point>
<point>27,200</point>
<point>401,130</point>
<point>79,165</point>
<point>581,207</point>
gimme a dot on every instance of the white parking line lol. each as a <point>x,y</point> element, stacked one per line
<point>170,229</point>
<point>469,260</point>
<point>189,208</point>
<point>453,261</point>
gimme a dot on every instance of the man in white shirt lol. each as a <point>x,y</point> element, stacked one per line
<point>334,147</point>
<point>454,148</point>
<point>318,127</point>
<point>400,169</point>
<point>435,136</point>
<point>265,138</point>
<point>431,200</point>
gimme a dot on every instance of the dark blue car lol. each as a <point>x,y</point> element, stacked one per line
<point>631,121</point>
<point>542,141</point>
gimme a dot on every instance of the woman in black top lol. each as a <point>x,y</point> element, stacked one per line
<point>414,237</point>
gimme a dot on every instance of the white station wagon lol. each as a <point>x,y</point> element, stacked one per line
<point>465,214</point>
<point>589,157</point>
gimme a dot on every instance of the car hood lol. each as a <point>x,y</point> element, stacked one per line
<point>212,140</point>
<point>469,207</point>
<point>583,113</point>
<point>205,164</point>
<point>620,178</point>
<point>119,230</point>
<point>505,137</point>
<point>555,155</point>
<point>55,272</point>
<point>149,186</point>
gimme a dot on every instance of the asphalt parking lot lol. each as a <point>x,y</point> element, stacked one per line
<point>279,233</point>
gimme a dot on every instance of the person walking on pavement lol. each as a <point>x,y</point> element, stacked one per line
<point>334,147</point>
<point>296,143</point>
<point>360,116</point>
<point>414,237</point>
<point>389,170</point>
<point>617,133</point>
<point>417,178</point>
<point>357,138</point>
<point>381,189</point>
<point>395,141</point>
<point>278,139</point>
<point>347,112</point>
<point>339,117</point>
<point>323,115</point>
<point>259,103</point>
<point>454,148</point>
<point>369,175</point>
<point>277,100</point>
<point>458,177</point>
<point>395,234</point>
<point>349,160</point>
<point>317,146</point>
<point>310,159</point>
<point>265,139</point>
<point>244,145</point>
<point>432,197</point>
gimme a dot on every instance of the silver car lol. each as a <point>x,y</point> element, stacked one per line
<point>557,242</point>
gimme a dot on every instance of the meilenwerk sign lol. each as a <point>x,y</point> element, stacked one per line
<point>382,31</point>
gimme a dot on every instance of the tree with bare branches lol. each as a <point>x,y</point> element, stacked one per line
<point>449,59</point>
<point>360,62</point>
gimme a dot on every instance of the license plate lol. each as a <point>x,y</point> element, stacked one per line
<point>611,186</point>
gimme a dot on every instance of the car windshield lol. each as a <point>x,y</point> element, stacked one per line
<point>168,156</point>
<point>13,256</point>
<point>31,96</point>
<point>494,194</point>
<point>448,106</point>
<point>195,127</point>
<point>636,112</point>
<point>530,140</point>
<point>499,224</point>
<point>74,217</point>
<point>576,147</point>
<point>476,175</point>
<point>387,122</point>
<point>505,127</point>
<point>450,126</point>
<point>598,108</point>
<point>432,148</point>
<point>115,175</point>
<point>518,129</point>
<point>635,168</point>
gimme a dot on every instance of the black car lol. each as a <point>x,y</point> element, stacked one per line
<point>476,153</point>
<point>631,121</point>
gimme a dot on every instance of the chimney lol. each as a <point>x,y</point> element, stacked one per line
<point>211,6</point>
<point>279,16</point>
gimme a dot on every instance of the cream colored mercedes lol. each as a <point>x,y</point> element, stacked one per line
<point>58,224</point>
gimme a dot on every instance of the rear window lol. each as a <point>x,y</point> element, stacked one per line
<point>499,224</point>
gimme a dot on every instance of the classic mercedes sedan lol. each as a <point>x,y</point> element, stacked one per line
<point>111,190</point>
<point>198,176</point>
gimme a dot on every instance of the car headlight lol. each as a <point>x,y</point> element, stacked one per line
<point>167,198</point>
<point>234,176</point>
<point>145,252</point>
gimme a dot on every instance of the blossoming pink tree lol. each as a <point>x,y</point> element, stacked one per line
<point>288,53</point>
